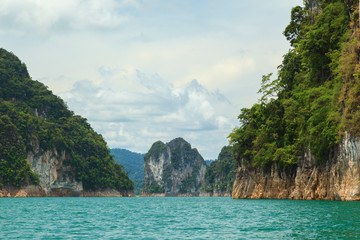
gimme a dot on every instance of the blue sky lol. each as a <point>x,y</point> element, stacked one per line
<point>142,71</point>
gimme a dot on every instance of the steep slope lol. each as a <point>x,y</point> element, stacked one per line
<point>301,141</point>
<point>173,169</point>
<point>134,162</point>
<point>220,175</point>
<point>46,146</point>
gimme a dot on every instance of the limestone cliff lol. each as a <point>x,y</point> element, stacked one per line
<point>336,179</point>
<point>173,169</point>
<point>55,177</point>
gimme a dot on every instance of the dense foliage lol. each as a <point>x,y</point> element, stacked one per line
<point>314,99</point>
<point>34,120</point>
<point>220,175</point>
<point>154,188</point>
<point>156,149</point>
<point>134,163</point>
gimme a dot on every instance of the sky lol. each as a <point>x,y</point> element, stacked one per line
<point>147,70</point>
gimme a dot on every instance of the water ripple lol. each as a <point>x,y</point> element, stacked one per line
<point>176,218</point>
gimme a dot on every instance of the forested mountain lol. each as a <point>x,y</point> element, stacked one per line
<point>36,124</point>
<point>220,174</point>
<point>132,162</point>
<point>310,110</point>
<point>173,169</point>
<point>315,98</point>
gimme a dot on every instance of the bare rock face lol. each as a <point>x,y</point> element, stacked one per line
<point>337,179</point>
<point>56,179</point>
<point>29,191</point>
<point>173,169</point>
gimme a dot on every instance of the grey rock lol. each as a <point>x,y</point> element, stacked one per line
<point>336,179</point>
<point>174,168</point>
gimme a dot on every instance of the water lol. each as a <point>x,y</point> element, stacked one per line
<point>176,218</point>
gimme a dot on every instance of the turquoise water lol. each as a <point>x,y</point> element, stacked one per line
<point>176,218</point>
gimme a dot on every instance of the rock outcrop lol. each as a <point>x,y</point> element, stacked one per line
<point>336,179</point>
<point>173,169</point>
<point>56,178</point>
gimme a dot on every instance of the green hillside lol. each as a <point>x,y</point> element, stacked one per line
<point>220,174</point>
<point>316,97</point>
<point>35,120</point>
<point>134,163</point>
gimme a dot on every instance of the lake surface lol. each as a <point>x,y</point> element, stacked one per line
<point>176,218</point>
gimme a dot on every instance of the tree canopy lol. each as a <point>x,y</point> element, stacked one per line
<point>34,120</point>
<point>314,98</point>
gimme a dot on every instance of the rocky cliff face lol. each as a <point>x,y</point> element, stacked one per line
<point>56,179</point>
<point>173,169</point>
<point>337,179</point>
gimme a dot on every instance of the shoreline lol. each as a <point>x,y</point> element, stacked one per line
<point>201,194</point>
<point>37,191</point>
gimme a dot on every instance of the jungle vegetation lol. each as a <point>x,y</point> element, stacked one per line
<point>314,99</point>
<point>34,120</point>
<point>220,174</point>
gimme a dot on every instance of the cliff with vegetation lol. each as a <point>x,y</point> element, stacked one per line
<point>220,174</point>
<point>301,140</point>
<point>46,150</point>
<point>173,169</point>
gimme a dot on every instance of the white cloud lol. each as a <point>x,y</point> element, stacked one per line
<point>88,51</point>
<point>224,72</point>
<point>43,16</point>
<point>138,118</point>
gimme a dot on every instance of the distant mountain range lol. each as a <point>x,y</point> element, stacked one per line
<point>132,162</point>
<point>208,162</point>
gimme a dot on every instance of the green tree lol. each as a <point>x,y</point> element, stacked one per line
<point>33,120</point>
<point>300,110</point>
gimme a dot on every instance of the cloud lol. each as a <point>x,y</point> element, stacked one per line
<point>136,119</point>
<point>44,16</point>
<point>155,84</point>
<point>225,45</point>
